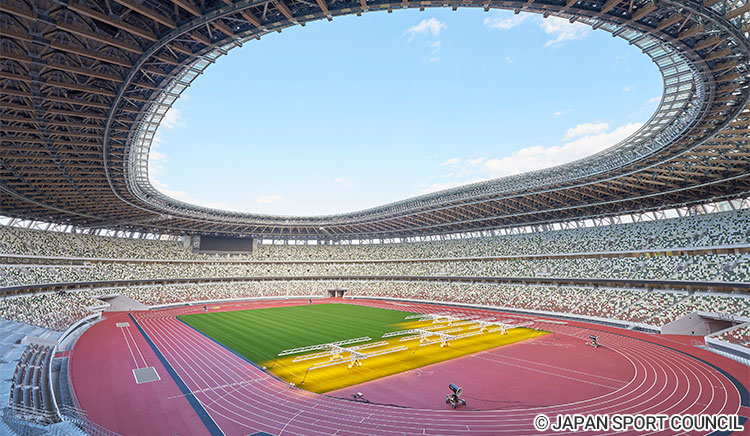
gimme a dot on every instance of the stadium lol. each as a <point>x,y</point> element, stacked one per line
<point>606,295</point>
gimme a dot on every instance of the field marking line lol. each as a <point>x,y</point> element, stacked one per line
<point>211,425</point>
<point>559,368</point>
<point>289,422</point>
<point>214,388</point>
<point>135,344</point>
<point>129,349</point>
<point>239,386</point>
<point>547,372</point>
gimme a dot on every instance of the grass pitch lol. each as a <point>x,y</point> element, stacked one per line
<point>260,334</point>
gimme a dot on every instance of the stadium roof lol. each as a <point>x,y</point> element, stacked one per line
<point>85,84</point>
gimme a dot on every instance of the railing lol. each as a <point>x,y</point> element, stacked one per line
<point>79,418</point>
<point>31,422</point>
<point>28,422</point>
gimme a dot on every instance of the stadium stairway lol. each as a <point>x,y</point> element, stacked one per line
<point>665,310</point>
<point>635,303</point>
<point>583,300</point>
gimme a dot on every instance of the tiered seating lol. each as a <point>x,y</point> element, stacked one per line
<point>530,297</point>
<point>726,228</point>
<point>707,303</point>
<point>14,240</point>
<point>608,303</point>
<point>739,335</point>
<point>564,299</point>
<point>655,307</point>
<point>450,258</point>
<point>707,267</point>
<point>30,391</point>
<point>648,309</point>
<point>54,311</point>
<point>493,295</point>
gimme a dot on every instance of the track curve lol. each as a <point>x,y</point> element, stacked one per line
<point>240,398</point>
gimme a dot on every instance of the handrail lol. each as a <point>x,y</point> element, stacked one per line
<point>49,381</point>
<point>80,419</point>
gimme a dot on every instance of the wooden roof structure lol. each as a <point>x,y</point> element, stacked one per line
<point>85,83</point>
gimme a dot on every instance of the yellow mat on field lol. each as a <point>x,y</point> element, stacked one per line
<point>339,376</point>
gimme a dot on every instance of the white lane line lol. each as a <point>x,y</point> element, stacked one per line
<point>546,372</point>
<point>290,421</point>
<point>135,344</point>
<point>129,348</point>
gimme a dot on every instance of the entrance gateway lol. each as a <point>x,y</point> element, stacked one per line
<point>336,293</point>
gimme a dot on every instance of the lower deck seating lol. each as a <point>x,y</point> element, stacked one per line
<point>656,307</point>
<point>30,391</point>
<point>739,335</point>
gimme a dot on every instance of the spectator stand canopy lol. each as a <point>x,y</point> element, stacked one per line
<point>85,84</point>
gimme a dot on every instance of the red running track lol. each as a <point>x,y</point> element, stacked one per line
<point>639,374</point>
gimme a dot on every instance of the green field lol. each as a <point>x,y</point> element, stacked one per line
<point>260,334</point>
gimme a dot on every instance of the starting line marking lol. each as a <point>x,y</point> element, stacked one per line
<point>214,388</point>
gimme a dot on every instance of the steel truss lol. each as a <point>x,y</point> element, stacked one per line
<point>85,84</point>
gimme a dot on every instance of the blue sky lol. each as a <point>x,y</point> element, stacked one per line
<point>345,115</point>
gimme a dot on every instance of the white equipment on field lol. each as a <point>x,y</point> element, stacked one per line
<point>338,354</point>
<point>425,336</point>
<point>439,318</point>
<point>490,325</point>
<point>468,324</point>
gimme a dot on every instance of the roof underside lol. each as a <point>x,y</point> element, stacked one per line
<point>84,84</point>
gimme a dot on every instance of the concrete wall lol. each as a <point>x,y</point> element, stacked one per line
<point>695,324</point>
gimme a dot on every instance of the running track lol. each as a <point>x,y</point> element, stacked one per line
<point>240,399</point>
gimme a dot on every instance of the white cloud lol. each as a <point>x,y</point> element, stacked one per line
<point>534,158</point>
<point>436,46</point>
<point>585,129</point>
<point>172,119</point>
<point>627,88</point>
<point>430,26</point>
<point>452,162</point>
<point>268,199</point>
<point>477,161</point>
<point>559,29</point>
<point>505,22</point>
<point>342,182</point>
<point>560,113</point>
<point>562,30</point>
<point>508,60</point>
<point>439,186</point>
<point>156,161</point>
<point>434,59</point>
<point>653,100</point>
<point>183,196</point>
